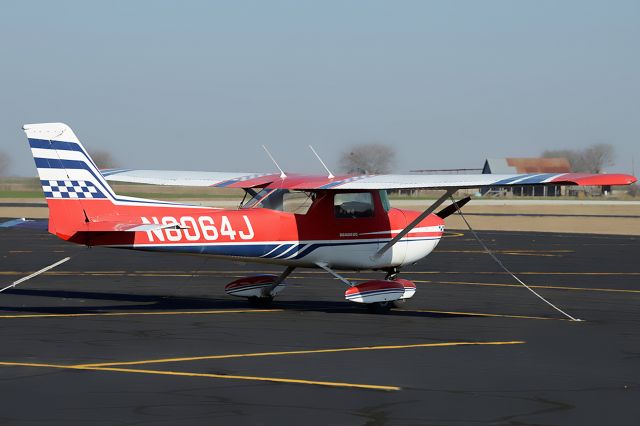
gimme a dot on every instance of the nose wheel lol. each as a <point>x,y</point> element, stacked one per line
<point>383,307</point>
<point>378,295</point>
<point>260,302</point>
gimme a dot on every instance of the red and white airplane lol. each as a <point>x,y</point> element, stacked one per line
<point>294,220</point>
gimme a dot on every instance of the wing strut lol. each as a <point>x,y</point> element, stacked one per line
<point>281,278</point>
<point>325,266</point>
<point>415,222</point>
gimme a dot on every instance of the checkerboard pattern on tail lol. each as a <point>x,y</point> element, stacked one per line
<point>70,189</point>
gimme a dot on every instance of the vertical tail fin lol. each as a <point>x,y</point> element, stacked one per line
<point>68,176</point>
<point>65,168</point>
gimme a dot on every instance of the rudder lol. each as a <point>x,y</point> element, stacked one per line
<point>68,176</point>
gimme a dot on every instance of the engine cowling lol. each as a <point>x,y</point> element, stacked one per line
<point>375,291</point>
<point>254,286</point>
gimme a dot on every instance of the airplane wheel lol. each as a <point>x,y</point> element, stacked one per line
<point>379,307</point>
<point>260,302</point>
<point>398,303</point>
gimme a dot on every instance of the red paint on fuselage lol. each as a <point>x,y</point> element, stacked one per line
<point>202,225</point>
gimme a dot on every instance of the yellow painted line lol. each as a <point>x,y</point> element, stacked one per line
<point>123,314</point>
<point>511,253</point>
<point>522,273</point>
<point>507,251</point>
<point>87,272</point>
<point>302,352</point>
<point>208,375</point>
<point>229,272</point>
<point>482,314</point>
<point>163,275</point>
<point>33,364</point>
<point>533,254</point>
<point>254,378</point>
<point>248,271</point>
<point>576,273</point>
<point>436,273</point>
<point>550,287</point>
<point>64,272</point>
<point>448,234</point>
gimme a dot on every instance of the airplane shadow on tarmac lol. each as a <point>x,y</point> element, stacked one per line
<point>152,303</point>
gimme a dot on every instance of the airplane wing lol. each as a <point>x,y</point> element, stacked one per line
<point>391,181</point>
<point>476,181</point>
<point>190,178</point>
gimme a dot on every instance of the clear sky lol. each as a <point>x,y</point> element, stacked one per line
<point>201,85</point>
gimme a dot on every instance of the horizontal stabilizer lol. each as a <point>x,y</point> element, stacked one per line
<point>40,224</point>
<point>190,178</point>
<point>125,227</point>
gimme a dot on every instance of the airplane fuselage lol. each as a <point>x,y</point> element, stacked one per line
<point>265,235</point>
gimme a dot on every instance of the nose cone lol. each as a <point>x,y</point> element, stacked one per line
<point>423,238</point>
<point>431,220</point>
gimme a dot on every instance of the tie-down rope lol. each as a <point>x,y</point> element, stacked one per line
<point>494,257</point>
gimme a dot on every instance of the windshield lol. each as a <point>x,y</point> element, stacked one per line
<point>282,200</point>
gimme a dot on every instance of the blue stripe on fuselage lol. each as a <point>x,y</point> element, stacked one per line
<point>252,250</point>
<point>241,250</point>
<point>280,250</point>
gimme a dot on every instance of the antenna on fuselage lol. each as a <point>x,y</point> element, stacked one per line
<point>330,176</point>
<point>282,174</point>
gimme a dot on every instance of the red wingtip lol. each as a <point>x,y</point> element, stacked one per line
<point>596,180</point>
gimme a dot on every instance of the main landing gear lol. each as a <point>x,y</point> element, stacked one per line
<point>378,295</point>
<point>259,290</point>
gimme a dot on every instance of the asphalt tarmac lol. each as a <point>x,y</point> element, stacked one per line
<point>120,337</point>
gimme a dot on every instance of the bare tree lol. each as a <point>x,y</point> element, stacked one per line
<point>5,160</point>
<point>103,159</point>
<point>574,157</point>
<point>367,159</point>
<point>598,156</point>
<point>589,160</point>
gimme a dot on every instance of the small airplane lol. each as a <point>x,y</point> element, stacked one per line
<point>294,220</point>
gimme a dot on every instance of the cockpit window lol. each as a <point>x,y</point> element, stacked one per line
<point>282,200</point>
<point>353,204</point>
<point>297,202</point>
<point>255,197</point>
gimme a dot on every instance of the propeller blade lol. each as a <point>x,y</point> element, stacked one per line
<point>451,209</point>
